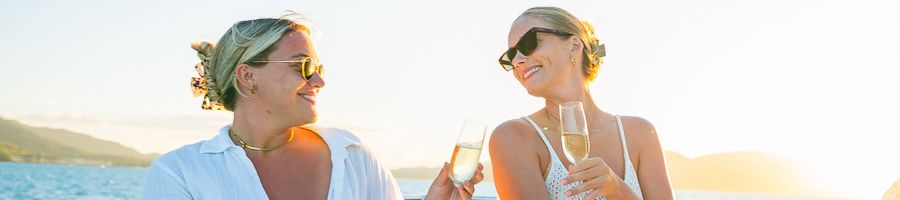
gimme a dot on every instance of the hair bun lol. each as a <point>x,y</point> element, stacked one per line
<point>204,49</point>
<point>205,85</point>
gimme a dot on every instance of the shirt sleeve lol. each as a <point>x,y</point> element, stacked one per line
<point>377,180</point>
<point>162,182</point>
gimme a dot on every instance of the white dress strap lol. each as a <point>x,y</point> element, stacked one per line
<point>630,173</point>
<point>541,133</point>
<point>622,137</point>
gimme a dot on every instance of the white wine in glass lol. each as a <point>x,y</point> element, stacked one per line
<point>576,144</point>
<point>465,157</point>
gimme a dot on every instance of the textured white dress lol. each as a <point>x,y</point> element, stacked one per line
<point>557,171</point>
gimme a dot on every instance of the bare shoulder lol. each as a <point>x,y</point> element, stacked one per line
<point>638,127</point>
<point>517,168</point>
<point>510,134</point>
<point>640,133</point>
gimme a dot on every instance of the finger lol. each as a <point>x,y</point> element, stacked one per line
<point>478,177</point>
<point>463,193</point>
<point>585,165</point>
<point>442,176</point>
<point>588,163</point>
<point>568,179</point>
<point>591,173</point>
<point>595,194</point>
<point>593,184</point>
<point>584,176</point>
<point>445,169</point>
<point>470,188</point>
<point>480,167</point>
<point>599,168</point>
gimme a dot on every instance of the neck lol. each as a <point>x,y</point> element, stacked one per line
<point>258,129</point>
<point>583,94</point>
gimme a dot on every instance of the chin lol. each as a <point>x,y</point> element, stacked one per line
<point>536,90</point>
<point>305,119</point>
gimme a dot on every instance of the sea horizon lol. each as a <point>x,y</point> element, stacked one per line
<point>75,181</point>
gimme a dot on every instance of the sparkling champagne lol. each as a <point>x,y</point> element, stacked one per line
<point>464,162</point>
<point>576,146</point>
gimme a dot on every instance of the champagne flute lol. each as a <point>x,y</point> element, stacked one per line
<point>576,144</point>
<point>467,152</point>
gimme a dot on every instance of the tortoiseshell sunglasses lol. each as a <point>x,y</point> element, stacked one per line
<point>526,45</point>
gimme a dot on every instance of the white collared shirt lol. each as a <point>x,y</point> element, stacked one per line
<point>219,169</point>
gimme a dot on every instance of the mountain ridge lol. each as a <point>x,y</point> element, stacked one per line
<point>23,143</point>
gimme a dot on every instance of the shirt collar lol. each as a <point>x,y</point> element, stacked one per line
<point>219,143</point>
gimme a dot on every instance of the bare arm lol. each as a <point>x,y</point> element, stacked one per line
<point>517,173</point>
<point>651,169</point>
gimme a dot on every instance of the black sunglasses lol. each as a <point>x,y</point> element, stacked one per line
<point>307,66</point>
<point>526,45</point>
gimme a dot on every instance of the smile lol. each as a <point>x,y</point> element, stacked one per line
<point>531,72</point>
<point>309,98</point>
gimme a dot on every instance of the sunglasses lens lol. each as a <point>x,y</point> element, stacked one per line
<point>307,67</point>
<point>506,66</point>
<point>505,61</point>
<point>510,54</point>
<point>319,70</point>
<point>527,43</point>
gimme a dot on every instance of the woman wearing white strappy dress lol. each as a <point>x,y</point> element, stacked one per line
<point>555,56</point>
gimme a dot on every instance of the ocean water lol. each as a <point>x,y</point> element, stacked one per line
<point>49,181</point>
<point>487,191</point>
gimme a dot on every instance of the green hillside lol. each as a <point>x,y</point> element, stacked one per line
<point>22,143</point>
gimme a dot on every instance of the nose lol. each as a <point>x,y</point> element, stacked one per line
<point>316,81</point>
<point>519,60</point>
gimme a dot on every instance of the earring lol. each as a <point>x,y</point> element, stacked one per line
<point>253,90</point>
<point>573,60</point>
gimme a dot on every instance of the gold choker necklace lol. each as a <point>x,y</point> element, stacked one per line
<point>247,146</point>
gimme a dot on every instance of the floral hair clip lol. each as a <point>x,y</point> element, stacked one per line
<point>200,85</point>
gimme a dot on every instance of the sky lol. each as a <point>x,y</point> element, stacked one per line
<point>816,81</point>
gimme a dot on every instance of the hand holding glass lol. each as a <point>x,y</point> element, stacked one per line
<point>467,152</point>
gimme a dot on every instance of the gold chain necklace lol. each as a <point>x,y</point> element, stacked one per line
<point>554,118</point>
<point>548,119</point>
<point>247,146</point>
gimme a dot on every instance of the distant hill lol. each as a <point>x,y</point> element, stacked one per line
<point>22,143</point>
<point>893,193</point>
<point>745,172</point>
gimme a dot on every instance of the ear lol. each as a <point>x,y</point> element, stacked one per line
<point>244,76</point>
<point>577,45</point>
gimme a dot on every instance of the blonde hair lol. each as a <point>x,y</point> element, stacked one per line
<point>563,20</point>
<point>244,41</point>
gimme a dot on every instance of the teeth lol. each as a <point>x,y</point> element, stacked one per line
<point>529,72</point>
<point>308,97</point>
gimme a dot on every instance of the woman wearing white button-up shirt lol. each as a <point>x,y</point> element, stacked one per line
<point>266,71</point>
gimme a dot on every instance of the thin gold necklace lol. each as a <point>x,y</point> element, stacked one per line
<point>548,119</point>
<point>545,128</point>
<point>247,146</point>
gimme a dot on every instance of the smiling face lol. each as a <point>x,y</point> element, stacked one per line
<point>281,88</point>
<point>550,65</point>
